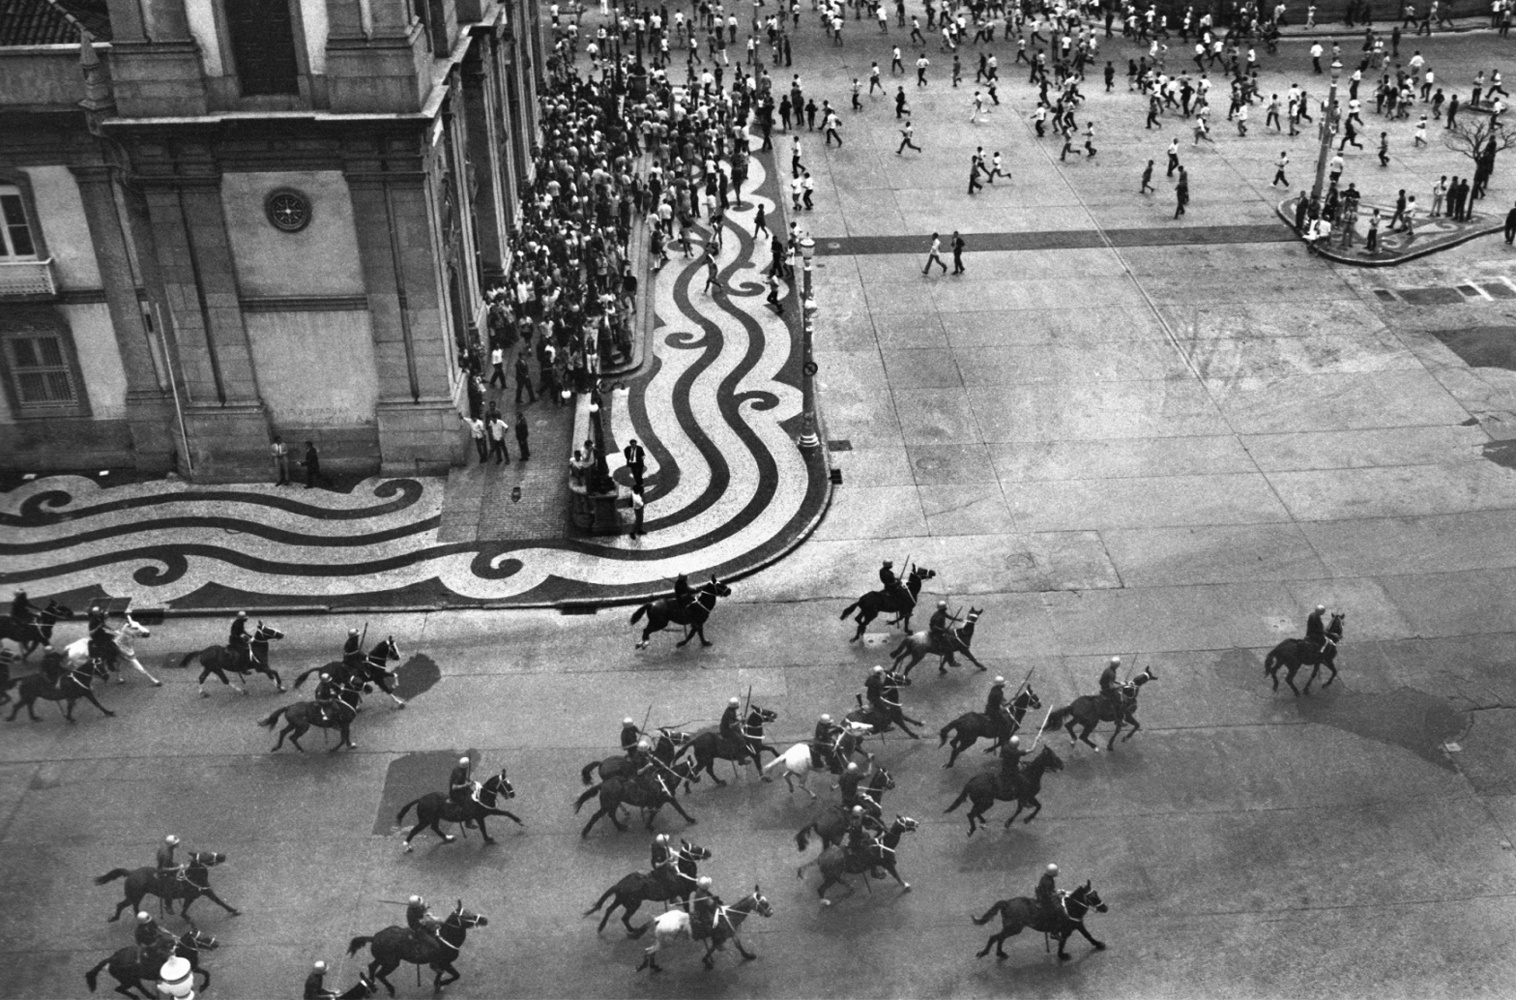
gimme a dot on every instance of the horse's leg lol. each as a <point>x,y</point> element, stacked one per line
<point>1132,726</point>
<point>380,971</point>
<point>295,733</point>
<point>700,631</point>
<point>90,696</point>
<point>679,809</point>
<point>1099,945</point>
<point>1315,670</point>
<point>137,665</point>
<point>1013,816</point>
<point>626,918</point>
<point>210,894</point>
<point>453,974</point>
<point>1110,744</point>
<point>1036,808</point>
<point>600,812</point>
<point>447,838</point>
<point>1085,736</point>
<point>710,768</point>
<point>1289,678</point>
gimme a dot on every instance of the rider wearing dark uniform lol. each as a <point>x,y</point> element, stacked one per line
<point>102,638</point>
<point>873,689</point>
<point>23,611</point>
<point>703,908</point>
<point>684,595</point>
<point>663,857</point>
<point>1048,897</point>
<point>1110,685</point>
<point>315,984</point>
<point>994,702</point>
<point>893,588</point>
<point>352,650</point>
<point>731,725</point>
<point>420,919</point>
<point>1315,631</point>
<point>641,756</point>
<point>1010,757</point>
<point>461,787</point>
<point>823,740</point>
<point>852,777</point>
<point>629,733</point>
<point>327,692</point>
<point>152,938</point>
<point>862,833</point>
<point>237,639</point>
<point>164,858</point>
<point>939,629</point>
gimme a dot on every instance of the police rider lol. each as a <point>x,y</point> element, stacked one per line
<point>1110,685</point>
<point>824,740</point>
<point>315,984</point>
<point>1049,898</point>
<point>939,629</point>
<point>419,918</point>
<point>892,587</point>
<point>1315,631</point>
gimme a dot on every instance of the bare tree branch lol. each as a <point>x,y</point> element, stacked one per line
<point>1471,134</point>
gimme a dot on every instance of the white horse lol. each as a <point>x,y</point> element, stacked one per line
<point>675,924</point>
<point>797,759</point>
<point>77,652</point>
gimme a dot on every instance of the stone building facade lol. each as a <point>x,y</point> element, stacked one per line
<point>230,219</point>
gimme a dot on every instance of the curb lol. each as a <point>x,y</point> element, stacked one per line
<point>1335,256</point>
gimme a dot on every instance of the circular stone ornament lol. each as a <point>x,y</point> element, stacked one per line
<point>288,210</point>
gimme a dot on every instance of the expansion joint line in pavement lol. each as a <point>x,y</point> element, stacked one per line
<point>728,491</point>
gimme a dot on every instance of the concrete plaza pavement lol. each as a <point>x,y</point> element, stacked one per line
<point>1168,452</point>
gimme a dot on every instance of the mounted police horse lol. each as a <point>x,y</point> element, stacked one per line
<point>190,883</point>
<point>837,861</point>
<point>648,792</point>
<point>30,635</point>
<point>665,611</point>
<point>675,924</point>
<point>129,966</point>
<point>55,682</point>
<point>394,945</point>
<point>123,645</point>
<point>667,749</point>
<point>1022,912</point>
<point>224,660</point>
<point>660,886</point>
<point>1092,709</point>
<point>888,712</point>
<point>1292,654</point>
<point>918,645</point>
<point>373,670</point>
<point>710,746</point>
<point>971,726</point>
<point>876,602</point>
<point>1022,788</point>
<point>801,759</point>
<point>437,807</point>
<point>302,715</point>
<point>831,826</point>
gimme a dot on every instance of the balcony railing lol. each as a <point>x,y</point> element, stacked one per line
<point>27,278</point>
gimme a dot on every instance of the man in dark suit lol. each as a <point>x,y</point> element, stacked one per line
<point>636,461</point>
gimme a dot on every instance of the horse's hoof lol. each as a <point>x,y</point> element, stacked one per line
<point>205,694</point>
<point>448,838</point>
<point>1063,958</point>
<point>409,848</point>
<point>235,913</point>
<point>767,779</point>
<point>157,684</point>
<point>120,680</point>
<point>1100,946</point>
<point>280,689</point>
<point>826,902</point>
<point>906,887</point>
<point>400,704</point>
<point>110,715</point>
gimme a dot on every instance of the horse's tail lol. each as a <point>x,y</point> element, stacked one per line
<point>92,975</point>
<point>400,816</point>
<point>585,772</point>
<point>990,914</point>
<point>589,793</point>
<point>849,610</point>
<point>358,943</point>
<point>803,838</point>
<point>269,722</point>
<point>1273,661</point>
<point>901,649</point>
<point>943,733</point>
<point>1055,718</point>
<point>800,872</point>
<point>645,609</point>
<point>112,875</point>
<point>300,679</point>
<point>189,658</point>
<point>962,796</point>
<point>601,901</point>
<point>778,759</point>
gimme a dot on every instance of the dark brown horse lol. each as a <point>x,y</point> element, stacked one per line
<point>1092,709</point>
<point>1021,912</point>
<point>372,670</point>
<point>876,602</point>
<point>837,861</point>
<point>302,715</point>
<point>434,808</point>
<point>129,966</point>
<point>710,746</point>
<point>666,749</point>
<point>1292,654</point>
<point>394,945</point>
<point>649,792</point>
<point>658,886</point>
<point>919,645</point>
<point>57,683</point>
<point>971,726</point>
<point>30,635</point>
<point>224,660</point>
<point>831,825</point>
<point>666,611</point>
<point>189,884</point>
<point>1022,788</point>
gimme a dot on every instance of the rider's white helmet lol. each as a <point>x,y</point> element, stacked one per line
<point>704,882</point>
<point>734,701</point>
<point>1014,741</point>
<point>878,669</point>
<point>415,900</point>
<point>1052,869</point>
<point>644,745</point>
<point>1321,607</point>
<point>463,760</point>
<point>319,966</point>
<point>352,631</point>
<point>942,604</point>
<point>1115,661</point>
<point>628,721</point>
<point>240,614</point>
<point>171,840</point>
<point>858,810</point>
<point>999,679</point>
<point>143,916</point>
<point>852,767</point>
<point>662,838</point>
<point>824,718</point>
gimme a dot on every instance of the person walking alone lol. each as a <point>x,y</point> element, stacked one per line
<point>521,434</point>
<point>1279,165</point>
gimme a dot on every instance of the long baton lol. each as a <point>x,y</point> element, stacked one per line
<point>1023,685</point>
<point>1040,728</point>
<point>645,718</point>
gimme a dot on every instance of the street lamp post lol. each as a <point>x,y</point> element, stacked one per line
<point>1328,129</point>
<point>809,441</point>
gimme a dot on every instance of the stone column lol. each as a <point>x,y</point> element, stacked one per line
<point>149,408</point>
<point>484,156</point>
<point>228,426</point>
